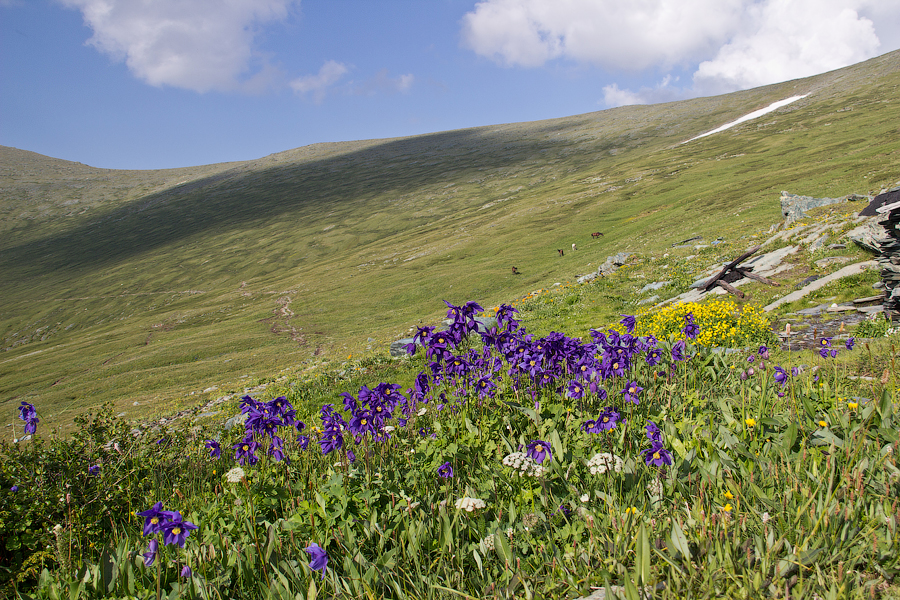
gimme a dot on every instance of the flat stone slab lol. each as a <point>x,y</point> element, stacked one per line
<point>832,260</point>
<point>868,310</point>
<point>868,299</point>
<point>853,269</point>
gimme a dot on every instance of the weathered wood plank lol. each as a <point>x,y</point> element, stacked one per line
<point>755,277</point>
<point>730,288</point>
<point>706,286</point>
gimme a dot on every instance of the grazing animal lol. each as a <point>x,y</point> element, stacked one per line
<point>596,234</point>
<point>515,271</point>
<point>561,253</point>
<point>574,247</point>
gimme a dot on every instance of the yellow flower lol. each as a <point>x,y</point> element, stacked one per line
<point>853,405</point>
<point>823,424</point>
<point>750,422</point>
<point>729,495</point>
<point>631,510</point>
<point>727,507</point>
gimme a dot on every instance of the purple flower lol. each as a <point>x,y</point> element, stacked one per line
<point>678,351</point>
<point>351,456</point>
<point>176,531</point>
<point>215,450</point>
<point>653,432</point>
<point>28,414</point>
<point>332,439</point>
<point>155,517</point>
<point>849,343</point>
<point>825,342</point>
<point>318,560</point>
<point>150,554</point>
<point>631,392</point>
<point>14,488</point>
<point>653,357</point>
<point>629,322</point>
<point>575,390</point>
<point>186,571</point>
<point>539,450</point>
<point>781,376</point>
<point>245,450</point>
<point>657,455</point>
<point>607,420</point>
<point>303,441</point>
<point>690,328</point>
<point>763,352</point>
<point>94,470</point>
<point>445,470</point>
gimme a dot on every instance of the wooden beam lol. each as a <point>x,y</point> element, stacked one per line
<point>755,277</point>
<point>730,288</point>
<point>706,286</point>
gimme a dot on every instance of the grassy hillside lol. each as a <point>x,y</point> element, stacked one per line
<point>147,287</point>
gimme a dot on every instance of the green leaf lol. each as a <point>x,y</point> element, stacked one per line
<point>679,542</point>
<point>642,558</point>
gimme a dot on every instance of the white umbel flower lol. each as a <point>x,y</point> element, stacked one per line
<point>655,488</point>
<point>487,544</point>
<point>235,475</point>
<point>603,462</point>
<point>469,504</point>
<point>523,464</point>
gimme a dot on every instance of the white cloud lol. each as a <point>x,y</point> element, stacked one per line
<point>731,44</point>
<point>318,84</point>
<point>789,39</point>
<point>621,35</point>
<point>199,45</point>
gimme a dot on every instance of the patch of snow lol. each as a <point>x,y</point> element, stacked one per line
<point>750,116</point>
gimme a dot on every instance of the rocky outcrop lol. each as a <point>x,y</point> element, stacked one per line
<point>889,259</point>
<point>794,207</point>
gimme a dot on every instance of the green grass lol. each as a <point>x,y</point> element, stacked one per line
<point>142,289</point>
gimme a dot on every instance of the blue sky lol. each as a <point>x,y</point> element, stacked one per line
<point>145,84</point>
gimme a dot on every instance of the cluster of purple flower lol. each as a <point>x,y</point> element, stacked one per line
<point>264,420</point>
<point>656,454</point>
<point>169,523</point>
<point>826,351</point>
<point>28,414</point>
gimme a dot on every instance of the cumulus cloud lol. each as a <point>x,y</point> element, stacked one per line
<point>730,44</point>
<point>318,84</point>
<point>789,39</point>
<point>199,45</point>
<point>609,33</point>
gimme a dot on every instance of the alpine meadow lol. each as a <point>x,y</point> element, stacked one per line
<point>199,399</point>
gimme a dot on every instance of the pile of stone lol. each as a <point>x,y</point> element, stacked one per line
<point>889,252</point>
<point>609,267</point>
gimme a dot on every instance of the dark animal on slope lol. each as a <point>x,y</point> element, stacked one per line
<point>596,234</point>
<point>561,253</point>
<point>515,271</point>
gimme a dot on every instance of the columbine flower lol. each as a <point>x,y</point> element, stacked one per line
<point>318,560</point>
<point>603,462</point>
<point>575,390</point>
<point>155,517</point>
<point>678,351</point>
<point>849,343</point>
<point>657,455</point>
<point>186,571</point>
<point>763,352</point>
<point>94,470</point>
<point>781,376</point>
<point>14,488</point>
<point>150,554</point>
<point>825,342</point>
<point>539,450</point>
<point>690,328</point>
<point>28,414</point>
<point>631,392</point>
<point>653,432</point>
<point>235,475</point>
<point>445,470</point>
<point>469,504</point>
<point>215,450</point>
<point>629,322</point>
<point>177,531</point>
